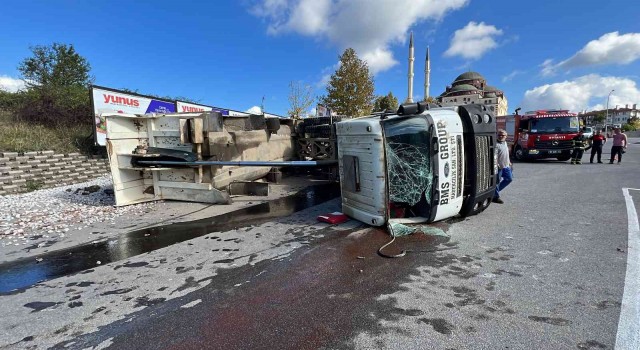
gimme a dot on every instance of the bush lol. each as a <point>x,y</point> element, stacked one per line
<point>8,100</point>
<point>65,105</point>
<point>20,136</point>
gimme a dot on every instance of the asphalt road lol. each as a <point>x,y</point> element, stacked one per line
<point>545,270</point>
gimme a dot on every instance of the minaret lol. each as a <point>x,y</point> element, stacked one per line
<point>410,97</point>
<point>427,75</point>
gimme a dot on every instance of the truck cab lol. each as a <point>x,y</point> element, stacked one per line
<point>540,134</point>
<point>419,165</point>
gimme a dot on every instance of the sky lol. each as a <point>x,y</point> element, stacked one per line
<point>561,54</point>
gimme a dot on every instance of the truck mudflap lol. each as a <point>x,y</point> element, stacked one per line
<point>482,170</point>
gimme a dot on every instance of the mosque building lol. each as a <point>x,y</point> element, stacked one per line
<point>471,87</point>
<point>467,88</point>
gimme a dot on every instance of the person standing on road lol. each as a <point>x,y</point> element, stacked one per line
<point>597,143</point>
<point>579,143</point>
<point>505,175</point>
<point>619,145</point>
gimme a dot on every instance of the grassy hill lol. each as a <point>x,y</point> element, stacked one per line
<point>18,136</point>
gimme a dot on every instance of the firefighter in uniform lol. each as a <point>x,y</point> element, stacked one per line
<point>597,142</point>
<point>579,143</point>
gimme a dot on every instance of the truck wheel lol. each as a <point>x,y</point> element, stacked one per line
<point>318,131</point>
<point>321,120</point>
<point>519,154</point>
<point>299,129</point>
<point>564,158</point>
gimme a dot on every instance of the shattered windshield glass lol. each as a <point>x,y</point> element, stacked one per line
<point>409,166</point>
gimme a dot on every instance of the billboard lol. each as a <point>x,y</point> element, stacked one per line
<point>117,101</point>
<point>322,111</point>
<point>192,107</point>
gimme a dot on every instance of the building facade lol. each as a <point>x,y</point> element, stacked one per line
<point>472,88</point>
<point>617,115</point>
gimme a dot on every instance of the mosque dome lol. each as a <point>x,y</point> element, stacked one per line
<point>469,76</point>
<point>463,87</point>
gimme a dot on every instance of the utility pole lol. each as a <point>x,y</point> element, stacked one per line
<point>606,121</point>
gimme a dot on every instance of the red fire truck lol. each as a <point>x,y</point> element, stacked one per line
<point>540,134</point>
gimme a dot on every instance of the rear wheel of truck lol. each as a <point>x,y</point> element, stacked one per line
<point>318,131</point>
<point>321,120</point>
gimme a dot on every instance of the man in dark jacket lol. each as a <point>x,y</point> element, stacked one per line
<point>579,143</point>
<point>597,143</point>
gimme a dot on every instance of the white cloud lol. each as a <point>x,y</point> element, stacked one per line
<point>611,48</point>
<point>254,110</point>
<point>588,92</point>
<point>379,59</point>
<point>512,75</point>
<point>473,41</point>
<point>368,26</point>
<point>10,84</point>
<point>326,75</point>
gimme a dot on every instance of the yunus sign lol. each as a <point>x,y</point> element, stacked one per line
<point>115,101</point>
<point>192,107</point>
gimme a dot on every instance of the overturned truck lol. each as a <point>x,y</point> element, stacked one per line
<point>420,165</point>
<point>191,156</point>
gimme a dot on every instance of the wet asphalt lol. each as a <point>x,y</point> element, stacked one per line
<point>545,270</point>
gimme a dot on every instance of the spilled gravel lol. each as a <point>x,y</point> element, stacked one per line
<point>58,212</point>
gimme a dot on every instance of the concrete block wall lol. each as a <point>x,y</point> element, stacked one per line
<point>20,172</point>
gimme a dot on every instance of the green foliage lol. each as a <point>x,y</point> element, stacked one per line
<point>57,87</point>
<point>60,105</point>
<point>33,185</point>
<point>55,65</point>
<point>300,99</point>
<point>632,125</point>
<point>600,117</point>
<point>20,136</point>
<point>431,99</point>
<point>350,89</point>
<point>383,103</point>
<point>8,100</point>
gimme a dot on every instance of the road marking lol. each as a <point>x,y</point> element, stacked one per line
<point>628,336</point>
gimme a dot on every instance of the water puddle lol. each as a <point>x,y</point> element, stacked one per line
<point>26,272</point>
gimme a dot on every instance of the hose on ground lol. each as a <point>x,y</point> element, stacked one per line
<point>403,253</point>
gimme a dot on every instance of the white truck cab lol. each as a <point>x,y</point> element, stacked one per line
<point>422,164</point>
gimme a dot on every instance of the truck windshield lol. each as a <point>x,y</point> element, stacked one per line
<point>555,125</point>
<point>409,170</point>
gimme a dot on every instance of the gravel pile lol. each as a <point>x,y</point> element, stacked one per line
<point>56,212</point>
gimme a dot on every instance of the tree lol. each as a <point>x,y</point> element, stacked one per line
<point>54,66</point>
<point>431,99</point>
<point>300,99</point>
<point>57,86</point>
<point>600,117</point>
<point>632,124</point>
<point>383,103</point>
<point>350,89</point>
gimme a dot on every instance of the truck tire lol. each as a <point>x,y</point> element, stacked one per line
<point>318,131</point>
<point>299,129</point>
<point>321,120</point>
